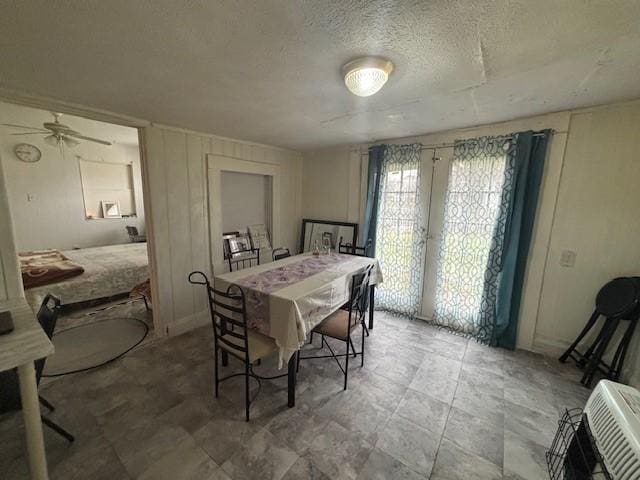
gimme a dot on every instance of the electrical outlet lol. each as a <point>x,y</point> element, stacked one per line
<point>568,258</point>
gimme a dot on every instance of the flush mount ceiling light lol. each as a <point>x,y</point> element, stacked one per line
<point>366,76</point>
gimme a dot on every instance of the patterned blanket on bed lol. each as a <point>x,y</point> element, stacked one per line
<point>43,267</point>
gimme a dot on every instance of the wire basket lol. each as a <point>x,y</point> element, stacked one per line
<point>573,455</point>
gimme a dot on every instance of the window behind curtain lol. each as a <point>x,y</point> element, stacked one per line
<point>476,182</point>
<point>399,231</point>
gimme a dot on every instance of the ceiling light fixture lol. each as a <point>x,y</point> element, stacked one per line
<point>366,76</point>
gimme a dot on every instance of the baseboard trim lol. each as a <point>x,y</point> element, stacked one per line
<point>187,323</point>
<point>552,347</point>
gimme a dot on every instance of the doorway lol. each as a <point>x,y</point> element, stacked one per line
<point>75,192</point>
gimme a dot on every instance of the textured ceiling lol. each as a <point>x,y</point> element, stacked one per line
<point>269,71</point>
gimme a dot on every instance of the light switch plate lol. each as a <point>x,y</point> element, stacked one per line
<point>568,258</point>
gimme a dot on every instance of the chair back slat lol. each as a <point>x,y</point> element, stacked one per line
<point>359,251</point>
<point>241,262</point>
<point>280,253</point>
<point>233,321</point>
<point>359,298</point>
<point>225,306</point>
<point>228,343</point>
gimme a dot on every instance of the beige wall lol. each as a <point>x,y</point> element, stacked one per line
<point>10,278</point>
<point>47,195</point>
<point>596,217</point>
<point>176,173</point>
<point>331,184</point>
<point>244,199</point>
<point>588,205</point>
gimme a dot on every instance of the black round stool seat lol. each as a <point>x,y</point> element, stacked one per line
<point>618,300</point>
<point>619,297</point>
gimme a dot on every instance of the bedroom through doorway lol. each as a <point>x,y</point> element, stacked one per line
<point>75,193</point>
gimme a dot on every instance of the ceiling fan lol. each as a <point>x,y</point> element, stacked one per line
<point>57,133</point>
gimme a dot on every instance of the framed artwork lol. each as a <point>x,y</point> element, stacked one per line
<point>260,236</point>
<point>239,244</point>
<point>111,209</point>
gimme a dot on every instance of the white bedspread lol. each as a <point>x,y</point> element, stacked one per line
<point>108,271</point>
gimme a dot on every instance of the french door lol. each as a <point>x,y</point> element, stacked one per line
<point>401,229</point>
<point>465,202</point>
<point>436,221</point>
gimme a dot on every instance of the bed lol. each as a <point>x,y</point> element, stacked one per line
<point>105,271</point>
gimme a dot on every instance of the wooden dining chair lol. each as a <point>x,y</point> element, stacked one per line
<point>280,253</point>
<point>231,336</point>
<point>341,324</point>
<point>9,383</point>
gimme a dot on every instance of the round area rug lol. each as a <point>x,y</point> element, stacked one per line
<point>93,344</point>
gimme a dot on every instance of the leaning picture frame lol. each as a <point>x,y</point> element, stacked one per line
<point>326,233</point>
<point>111,209</point>
<point>239,244</point>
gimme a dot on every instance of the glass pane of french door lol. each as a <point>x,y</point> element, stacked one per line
<point>400,235</point>
<point>471,207</point>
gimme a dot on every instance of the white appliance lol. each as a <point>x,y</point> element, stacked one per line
<point>613,414</point>
<point>601,442</point>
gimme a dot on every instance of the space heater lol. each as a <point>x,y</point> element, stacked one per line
<point>602,441</point>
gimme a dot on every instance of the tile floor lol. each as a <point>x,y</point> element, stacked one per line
<point>427,404</point>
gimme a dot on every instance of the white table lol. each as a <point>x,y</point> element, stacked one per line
<point>21,348</point>
<point>285,299</point>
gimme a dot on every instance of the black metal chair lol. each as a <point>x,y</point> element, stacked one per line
<point>617,301</point>
<point>360,251</point>
<point>280,253</point>
<point>244,259</point>
<point>341,324</point>
<point>231,335</point>
<point>134,235</point>
<point>9,382</point>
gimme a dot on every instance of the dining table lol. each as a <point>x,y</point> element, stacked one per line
<point>287,298</point>
<point>19,349</point>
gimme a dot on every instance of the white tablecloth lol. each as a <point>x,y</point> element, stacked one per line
<point>287,298</point>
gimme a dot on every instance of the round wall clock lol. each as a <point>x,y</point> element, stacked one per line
<point>27,152</point>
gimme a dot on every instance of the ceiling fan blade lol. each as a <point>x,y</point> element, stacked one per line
<point>31,133</point>
<point>96,140</point>
<point>19,126</point>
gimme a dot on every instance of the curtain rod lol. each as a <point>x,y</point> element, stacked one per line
<point>440,146</point>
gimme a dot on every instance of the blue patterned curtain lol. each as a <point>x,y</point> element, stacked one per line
<point>527,156</point>
<point>399,232</point>
<point>376,154</point>
<point>479,189</point>
<point>489,216</point>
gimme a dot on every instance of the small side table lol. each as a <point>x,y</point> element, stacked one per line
<point>20,348</point>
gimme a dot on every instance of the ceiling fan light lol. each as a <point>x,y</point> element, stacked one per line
<point>52,140</point>
<point>366,76</point>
